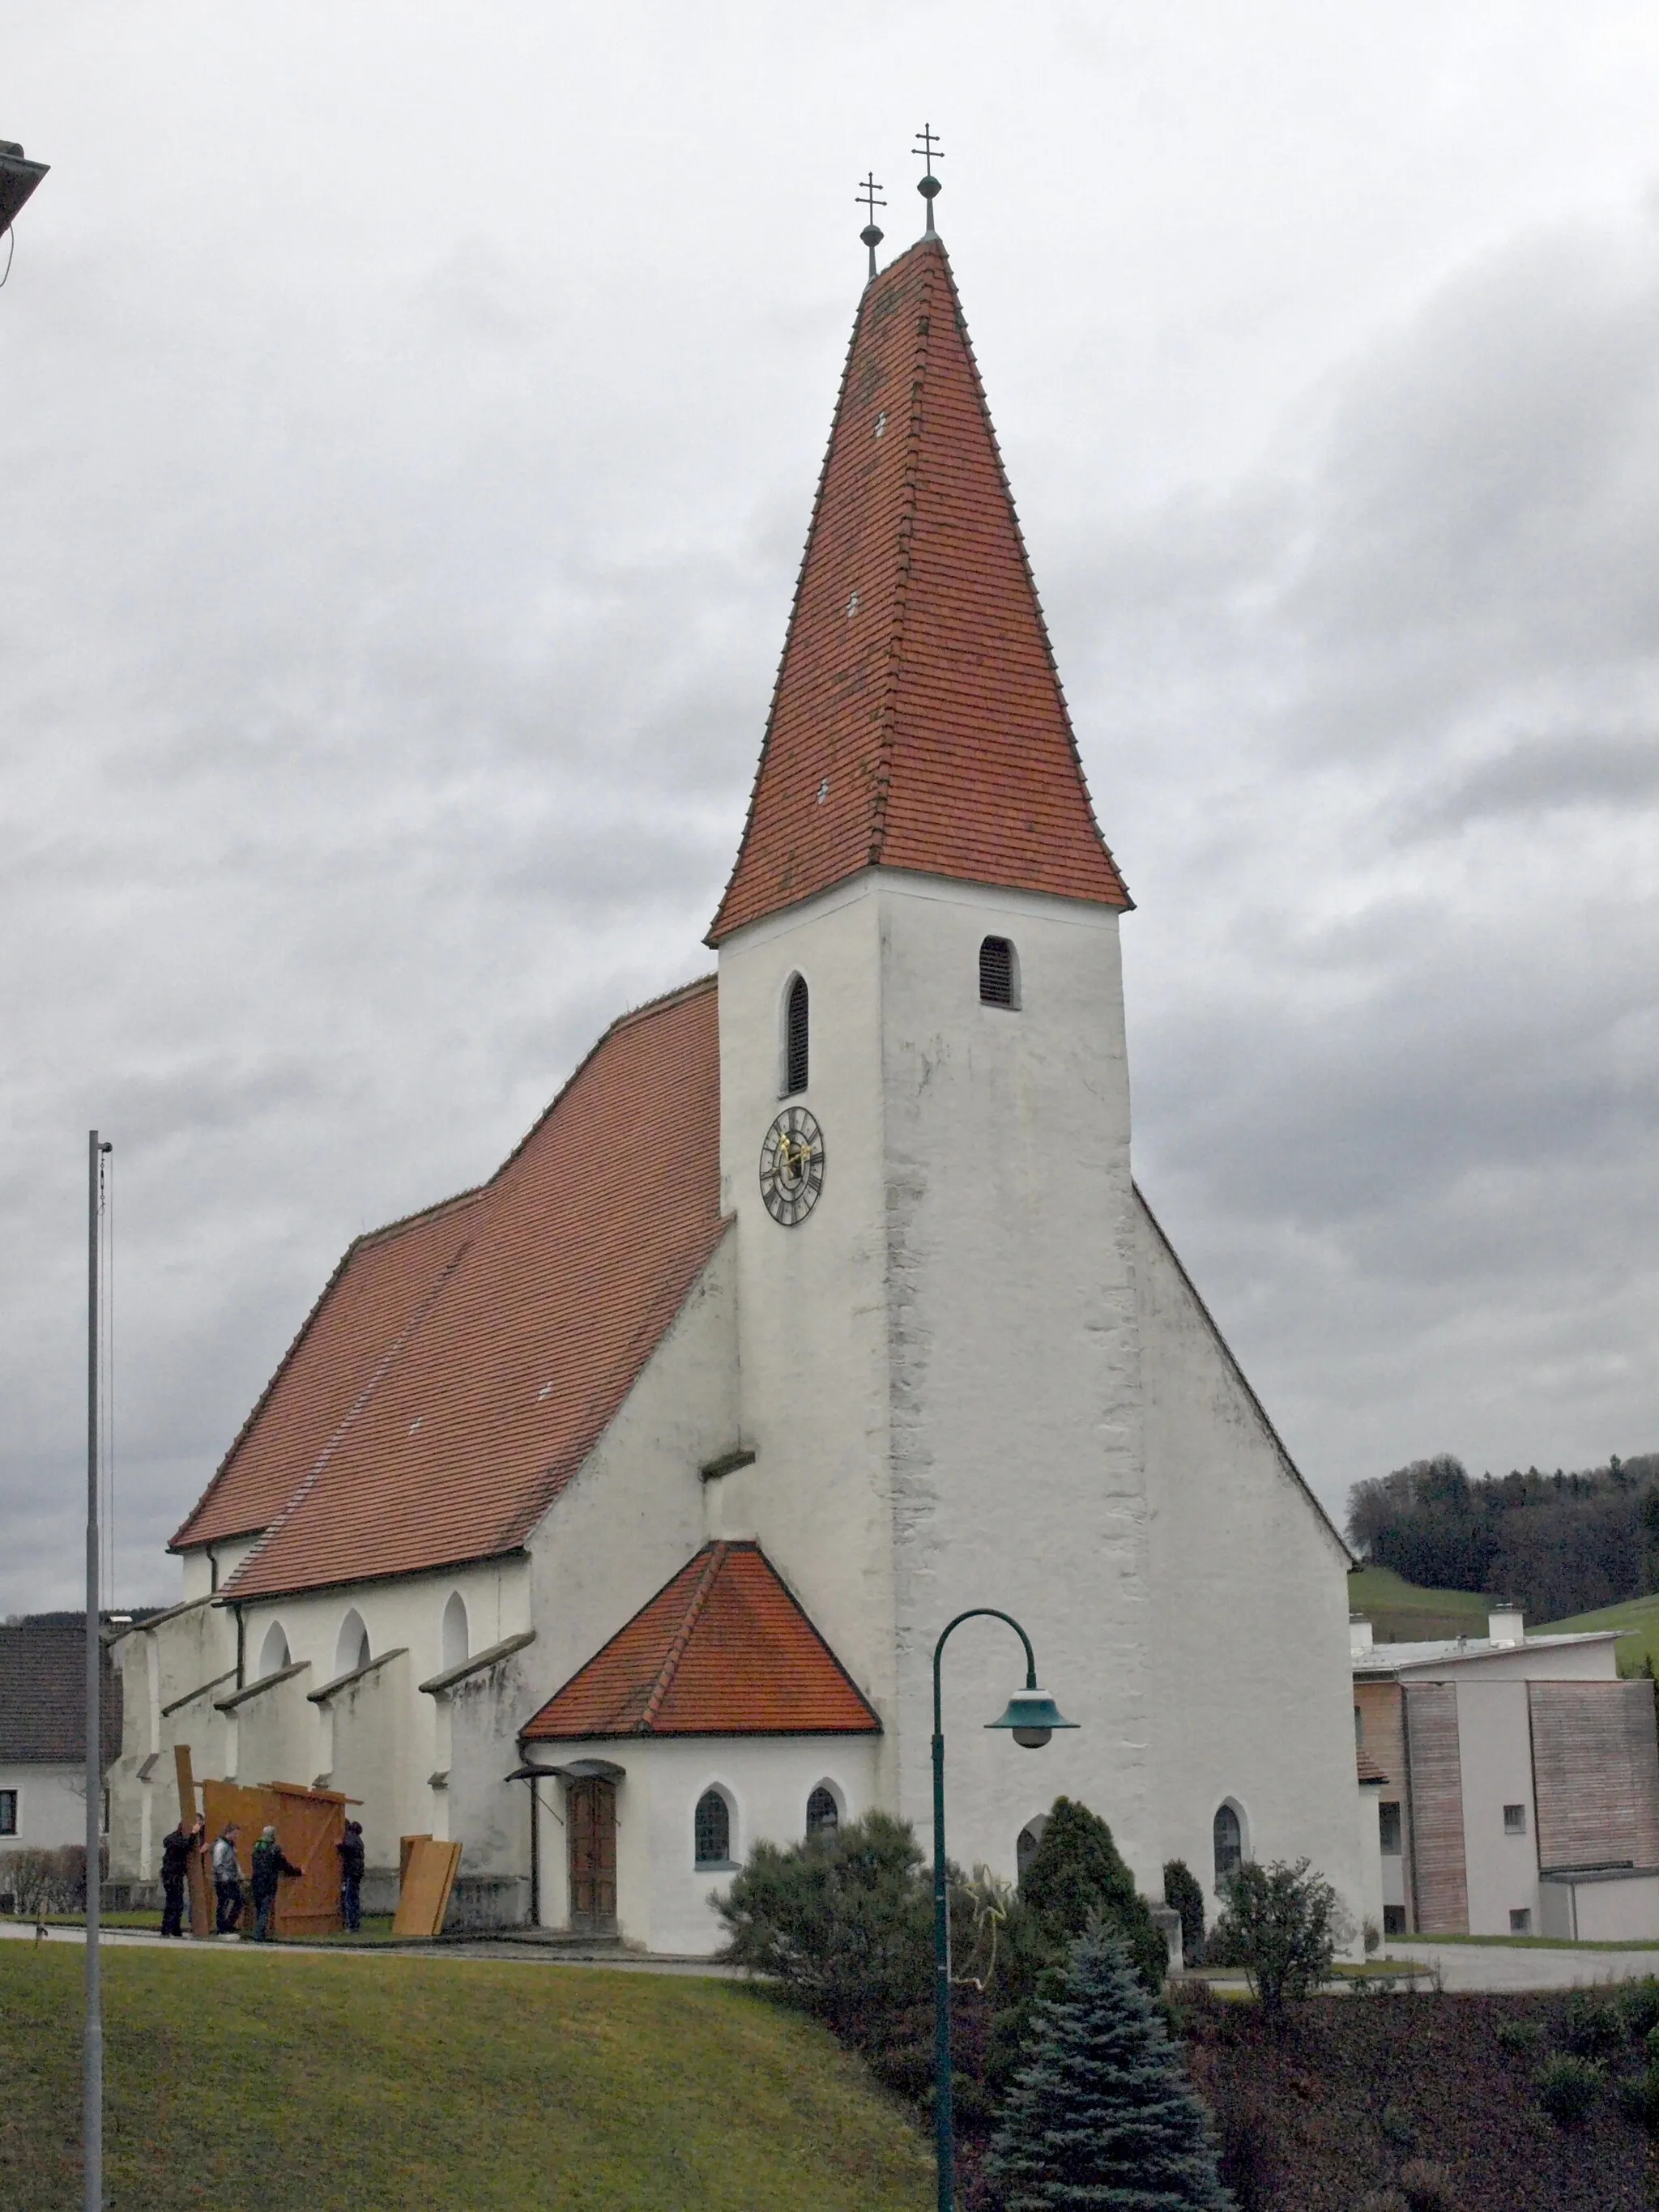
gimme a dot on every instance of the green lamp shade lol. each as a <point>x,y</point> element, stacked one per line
<point>1033,1716</point>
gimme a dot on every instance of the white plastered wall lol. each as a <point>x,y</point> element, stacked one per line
<point>662,1895</point>
<point>939,1367</point>
<point>160,1664</point>
<point>51,1808</point>
<point>1495,1749</point>
<point>1254,1697</point>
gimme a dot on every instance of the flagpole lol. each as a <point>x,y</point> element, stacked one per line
<point>91,2068</point>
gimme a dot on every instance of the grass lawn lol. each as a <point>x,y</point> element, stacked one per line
<point>298,2083</point>
<point>1638,1617</point>
<point>1400,1613</point>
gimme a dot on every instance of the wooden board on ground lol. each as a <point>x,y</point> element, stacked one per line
<point>423,1895</point>
<point>309,1823</point>
<point>201,1909</point>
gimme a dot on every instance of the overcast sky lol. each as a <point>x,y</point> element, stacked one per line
<point>408,420</point>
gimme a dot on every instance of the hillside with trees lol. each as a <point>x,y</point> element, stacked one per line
<point>1557,1544</point>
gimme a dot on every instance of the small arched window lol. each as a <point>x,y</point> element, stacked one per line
<point>351,1647</point>
<point>822,1813</point>
<point>1229,1843</point>
<point>796,1031</point>
<point>273,1652</point>
<point>456,1651</point>
<point>712,1831</point>
<point>1026,1844</point>
<point>998,973</point>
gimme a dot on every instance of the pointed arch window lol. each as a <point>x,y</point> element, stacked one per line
<point>1229,1843</point>
<point>712,1830</point>
<point>823,1813</point>
<point>796,1027</point>
<point>998,973</point>
<point>273,1653</point>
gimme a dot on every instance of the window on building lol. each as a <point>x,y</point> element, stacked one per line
<point>796,1037</point>
<point>1229,1843</point>
<point>1515,1819</point>
<point>712,1831</point>
<point>1387,1828</point>
<point>1026,1844</point>
<point>1359,1729</point>
<point>999,975</point>
<point>273,1654</point>
<point>822,1813</point>
<point>104,1821</point>
<point>8,1812</point>
<point>1393,1920</point>
<point>456,1632</point>
<point>1521,1921</point>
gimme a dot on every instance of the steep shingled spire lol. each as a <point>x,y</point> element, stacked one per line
<point>918,720</point>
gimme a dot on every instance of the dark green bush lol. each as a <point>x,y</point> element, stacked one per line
<point>1593,2028</point>
<point>1637,2096</point>
<point>1283,1924</point>
<point>1568,2085</point>
<point>1382,2200</point>
<point>1426,2188</point>
<point>1398,2127</point>
<point>1638,2007</point>
<point>1183,1893</point>
<point>1522,2035</point>
<point>1076,1879</point>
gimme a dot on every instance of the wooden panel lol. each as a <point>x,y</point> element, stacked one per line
<point>1382,1733</point>
<point>1434,1758</point>
<point>310,1823</point>
<point>429,1877</point>
<point>1596,1770</point>
<point>591,1826</point>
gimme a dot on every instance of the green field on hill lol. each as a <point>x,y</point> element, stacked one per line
<point>1638,1617</point>
<point>1400,1613</point>
<point>290,2082</point>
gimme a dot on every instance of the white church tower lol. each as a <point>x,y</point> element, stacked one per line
<point>919,961</point>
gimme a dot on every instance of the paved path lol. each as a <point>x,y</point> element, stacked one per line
<point>1519,1966</point>
<point>535,1954</point>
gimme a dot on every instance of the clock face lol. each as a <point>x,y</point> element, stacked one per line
<point>791,1166</point>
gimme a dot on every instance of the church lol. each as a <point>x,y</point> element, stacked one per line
<point>603,1518</point>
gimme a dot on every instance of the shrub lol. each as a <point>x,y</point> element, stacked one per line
<point>1382,2200</point>
<point>1637,2096</point>
<point>1520,2035</point>
<point>1426,2188</point>
<point>1371,1936</point>
<point>1284,1925</point>
<point>1568,2086</point>
<point>1076,1878</point>
<point>1398,2127</point>
<point>1250,2159</point>
<point>1103,2114</point>
<point>1638,2007</point>
<point>48,1882</point>
<point>1592,2027</point>
<point>1183,1893</point>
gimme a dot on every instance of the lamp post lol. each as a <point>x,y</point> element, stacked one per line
<point>1032,1716</point>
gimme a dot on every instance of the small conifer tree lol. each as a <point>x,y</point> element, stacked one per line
<point>1101,2119</point>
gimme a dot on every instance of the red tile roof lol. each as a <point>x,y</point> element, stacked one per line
<point>918,720</point>
<point>1369,1768</point>
<point>723,1650</point>
<point>460,1365</point>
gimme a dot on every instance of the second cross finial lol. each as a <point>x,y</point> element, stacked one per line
<point>872,234</point>
<point>930,187</point>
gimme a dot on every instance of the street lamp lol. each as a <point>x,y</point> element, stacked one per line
<point>1031,1716</point>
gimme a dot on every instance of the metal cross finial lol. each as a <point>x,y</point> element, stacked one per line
<point>930,187</point>
<point>870,235</point>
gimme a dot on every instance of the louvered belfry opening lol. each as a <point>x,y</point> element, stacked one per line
<point>996,972</point>
<point>795,1028</point>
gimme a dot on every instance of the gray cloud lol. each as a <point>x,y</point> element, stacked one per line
<point>409,433</point>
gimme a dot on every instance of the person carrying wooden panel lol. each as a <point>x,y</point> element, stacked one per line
<point>268,1867</point>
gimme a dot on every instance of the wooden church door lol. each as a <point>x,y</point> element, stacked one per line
<point>591,1824</point>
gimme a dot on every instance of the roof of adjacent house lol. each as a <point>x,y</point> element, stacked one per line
<point>725,1648</point>
<point>1459,1651</point>
<point>43,1693</point>
<point>460,1365</point>
<point>918,720</point>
